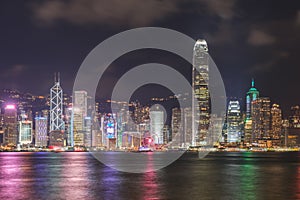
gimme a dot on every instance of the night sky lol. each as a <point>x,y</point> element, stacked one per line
<point>246,39</point>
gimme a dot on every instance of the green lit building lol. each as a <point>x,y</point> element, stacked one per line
<point>252,95</point>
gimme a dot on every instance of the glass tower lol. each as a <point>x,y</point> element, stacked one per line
<point>252,95</point>
<point>200,102</point>
<point>233,122</point>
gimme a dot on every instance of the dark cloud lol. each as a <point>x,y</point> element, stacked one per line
<point>224,9</point>
<point>120,12</point>
<point>112,13</point>
<point>260,38</point>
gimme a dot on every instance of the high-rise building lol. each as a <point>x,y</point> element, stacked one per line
<point>79,115</point>
<point>41,130</point>
<point>56,106</point>
<point>276,122</point>
<point>261,113</point>
<point>157,125</point>
<point>56,135</point>
<point>293,130</point>
<point>234,122</point>
<point>201,101</point>
<point>294,119</point>
<point>25,132</point>
<point>11,125</point>
<point>69,125</point>
<point>187,126</point>
<point>252,95</point>
<point>176,127</point>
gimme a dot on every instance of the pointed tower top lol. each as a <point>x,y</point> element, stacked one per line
<point>56,77</point>
<point>252,83</point>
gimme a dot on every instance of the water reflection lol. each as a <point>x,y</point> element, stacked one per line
<point>218,176</point>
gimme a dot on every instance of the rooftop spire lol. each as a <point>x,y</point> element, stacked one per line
<point>252,83</point>
<point>56,77</point>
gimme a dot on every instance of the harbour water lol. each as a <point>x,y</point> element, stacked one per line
<point>220,175</point>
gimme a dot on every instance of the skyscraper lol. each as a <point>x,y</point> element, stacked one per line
<point>56,106</point>
<point>11,125</point>
<point>261,113</point>
<point>79,114</point>
<point>25,132</point>
<point>276,122</point>
<point>41,124</point>
<point>157,124</point>
<point>233,122</point>
<point>252,95</point>
<point>176,127</point>
<point>56,136</point>
<point>200,102</point>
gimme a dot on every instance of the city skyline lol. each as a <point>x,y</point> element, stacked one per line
<point>242,45</point>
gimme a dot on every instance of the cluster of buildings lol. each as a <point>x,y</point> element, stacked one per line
<point>58,120</point>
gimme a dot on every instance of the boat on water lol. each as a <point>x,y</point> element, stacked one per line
<point>144,149</point>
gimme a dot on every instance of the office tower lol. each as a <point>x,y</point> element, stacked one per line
<point>87,131</point>
<point>200,102</point>
<point>293,138</point>
<point>261,113</point>
<point>252,95</point>
<point>215,130</point>
<point>25,132</point>
<point>294,119</point>
<point>41,130</point>
<point>11,125</point>
<point>166,134</point>
<point>181,127</point>
<point>234,122</point>
<point>56,106</point>
<point>109,130</point>
<point>176,127</point>
<point>56,136</point>
<point>187,126</point>
<point>79,114</point>
<point>276,122</point>
<point>156,124</point>
<point>69,125</point>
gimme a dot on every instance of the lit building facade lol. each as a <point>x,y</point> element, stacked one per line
<point>56,135</point>
<point>157,125</point>
<point>261,115</point>
<point>234,130</point>
<point>10,125</point>
<point>41,130</point>
<point>79,114</point>
<point>276,122</point>
<point>25,132</point>
<point>56,107</point>
<point>252,95</point>
<point>201,101</point>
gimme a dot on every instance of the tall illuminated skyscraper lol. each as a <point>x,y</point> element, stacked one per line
<point>252,95</point>
<point>276,122</point>
<point>157,125</point>
<point>25,132</point>
<point>200,102</point>
<point>233,122</point>
<point>56,136</point>
<point>56,106</point>
<point>79,115</point>
<point>41,124</point>
<point>10,125</point>
<point>261,115</point>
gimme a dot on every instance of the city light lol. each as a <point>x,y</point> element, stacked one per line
<point>10,107</point>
